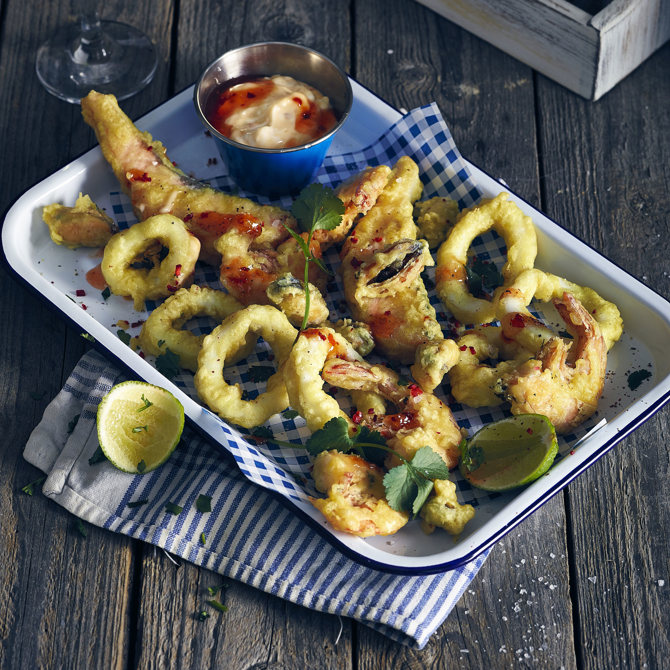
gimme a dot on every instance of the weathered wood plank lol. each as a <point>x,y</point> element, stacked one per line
<point>607,181</point>
<point>259,631</point>
<point>64,600</point>
<point>487,100</point>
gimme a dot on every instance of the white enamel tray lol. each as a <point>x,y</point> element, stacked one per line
<point>55,273</point>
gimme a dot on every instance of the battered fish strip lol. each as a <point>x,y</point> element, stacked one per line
<point>156,186</point>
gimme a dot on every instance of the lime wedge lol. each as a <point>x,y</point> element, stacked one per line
<point>509,453</point>
<point>139,426</point>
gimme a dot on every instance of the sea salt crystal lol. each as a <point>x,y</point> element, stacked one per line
<point>504,618</point>
<point>592,579</point>
<point>552,555</point>
<point>389,51</point>
<point>661,582</point>
<point>553,586</point>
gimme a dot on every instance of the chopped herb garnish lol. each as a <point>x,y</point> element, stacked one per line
<point>472,457</point>
<point>72,424</point>
<point>203,538</point>
<point>147,404</point>
<point>262,432</point>
<point>217,605</point>
<point>213,590</point>
<point>80,527</point>
<point>88,337</point>
<point>636,378</point>
<point>161,343</point>
<point>203,615</point>
<point>141,466</point>
<point>139,429</point>
<point>204,503</point>
<point>260,373</point>
<point>98,455</point>
<point>30,488</point>
<point>290,414</point>
<point>137,503</point>
<point>124,337</point>
<point>106,293</point>
<point>172,508</point>
<point>37,396</point>
<point>168,364</point>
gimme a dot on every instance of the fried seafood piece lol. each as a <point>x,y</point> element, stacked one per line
<point>288,294</point>
<point>474,383</point>
<point>566,380</point>
<point>443,509</point>
<point>356,501</point>
<point>358,334</point>
<point>507,220</point>
<point>358,193</point>
<point>163,329</point>
<point>156,186</point>
<point>432,361</point>
<point>223,344</point>
<point>421,419</point>
<point>390,219</point>
<point>386,292</point>
<point>84,225</point>
<point>544,286</point>
<point>247,270</point>
<point>435,219</point>
<point>166,276</point>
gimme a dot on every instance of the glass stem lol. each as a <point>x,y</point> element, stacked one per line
<point>93,47</point>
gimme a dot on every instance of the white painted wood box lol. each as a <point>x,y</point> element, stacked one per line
<point>589,54</point>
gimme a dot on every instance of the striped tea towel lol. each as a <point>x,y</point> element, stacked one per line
<point>249,535</point>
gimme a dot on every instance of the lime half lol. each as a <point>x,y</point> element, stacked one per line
<point>139,426</point>
<point>509,453</point>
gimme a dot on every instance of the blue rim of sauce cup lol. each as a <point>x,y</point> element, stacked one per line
<point>275,172</point>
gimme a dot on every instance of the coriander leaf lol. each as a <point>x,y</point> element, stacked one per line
<point>322,265</point>
<point>317,208</point>
<point>364,434</point>
<point>124,337</point>
<point>204,503</point>
<point>203,615</point>
<point>427,463</point>
<point>106,293</point>
<point>217,605</point>
<point>262,432</point>
<point>334,435</point>
<point>37,396</point>
<point>72,424</point>
<point>137,503</point>
<point>168,364</point>
<point>172,508</point>
<point>147,404</point>
<point>260,373</point>
<point>301,242</point>
<point>141,466</point>
<point>290,414</point>
<point>424,487</point>
<point>213,590</point>
<point>88,337</point>
<point>161,343</point>
<point>98,455</point>
<point>474,281</point>
<point>139,429</point>
<point>203,538</point>
<point>636,378</point>
<point>30,488</point>
<point>401,489</point>
<point>80,527</point>
<point>490,276</point>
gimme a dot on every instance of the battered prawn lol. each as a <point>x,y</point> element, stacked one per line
<point>156,186</point>
<point>356,502</point>
<point>566,380</point>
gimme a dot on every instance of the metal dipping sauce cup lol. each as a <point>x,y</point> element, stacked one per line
<point>275,172</point>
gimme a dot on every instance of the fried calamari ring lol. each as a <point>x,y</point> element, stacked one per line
<point>223,344</point>
<point>173,272</point>
<point>162,330</point>
<point>546,287</point>
<point>507,220</point>
<point>473,383</point>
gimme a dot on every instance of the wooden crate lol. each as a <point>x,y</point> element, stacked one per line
<point>589,54</point>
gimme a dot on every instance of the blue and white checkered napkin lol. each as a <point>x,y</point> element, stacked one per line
<point>249,535</point>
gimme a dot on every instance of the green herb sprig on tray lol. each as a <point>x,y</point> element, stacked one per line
<point>316,208</point>
<point>407,486</point>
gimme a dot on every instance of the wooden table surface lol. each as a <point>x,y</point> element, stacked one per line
<point>584,583</point>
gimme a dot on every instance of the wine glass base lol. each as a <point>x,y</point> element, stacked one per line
<point>130,66</point>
